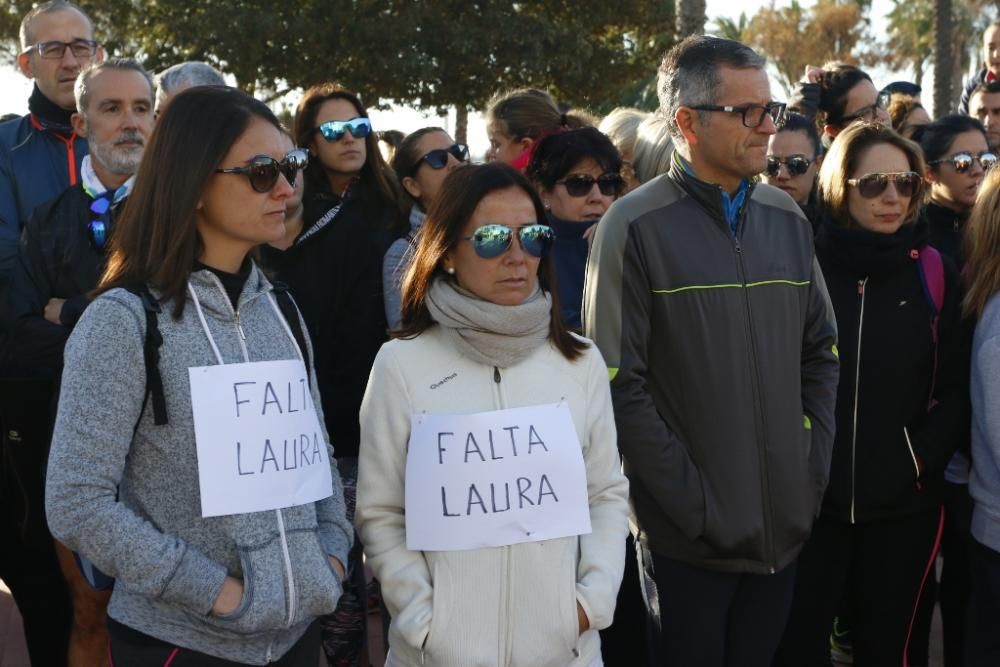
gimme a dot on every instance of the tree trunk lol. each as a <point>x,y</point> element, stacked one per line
<point>461,124</point>
<point>943,68</point>
<point>690,18</point>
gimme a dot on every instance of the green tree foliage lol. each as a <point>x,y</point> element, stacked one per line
<point>429,53</point>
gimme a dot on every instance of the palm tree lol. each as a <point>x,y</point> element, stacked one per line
<point>731,29</point>
<point>943,58</point>
<point>690,18</point>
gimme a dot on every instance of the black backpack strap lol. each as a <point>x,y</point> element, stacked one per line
<point>151,355</point>
<point>291,313</point>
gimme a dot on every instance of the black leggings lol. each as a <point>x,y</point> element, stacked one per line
<point>131,648</point>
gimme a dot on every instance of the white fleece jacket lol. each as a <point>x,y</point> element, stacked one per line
<point>512,606</point>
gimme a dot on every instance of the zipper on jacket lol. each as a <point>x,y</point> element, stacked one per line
<point>913,455</point>
<point>496,375</point>
<point>236,314</point>
<point>765,480</point>
<point>288,568</point>
<point>857,389</point>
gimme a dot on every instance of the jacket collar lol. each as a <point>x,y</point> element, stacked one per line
<point>212,294</point>
<point>49,115</point>
<point>707,195</point>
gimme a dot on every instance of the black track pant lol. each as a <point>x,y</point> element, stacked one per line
<point>885,563</point>
<point>700,618</point>
<point>131,648</point>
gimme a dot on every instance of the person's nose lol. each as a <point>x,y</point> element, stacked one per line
<point>282,189</point>
<point>890,194</point>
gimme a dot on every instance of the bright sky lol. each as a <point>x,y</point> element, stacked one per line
<point>14,88</point>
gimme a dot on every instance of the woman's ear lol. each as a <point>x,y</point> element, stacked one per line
<point>930,176</point>
<point>411,186</point>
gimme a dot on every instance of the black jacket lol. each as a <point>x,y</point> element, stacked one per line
<point>946,231</point>
<point>56,259</point>
<point>721,353</point>
<point>884,429</point>
<point>334,273</point>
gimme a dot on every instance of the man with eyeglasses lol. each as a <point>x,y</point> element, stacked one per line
<point>704,297</point>
<point>60,259</point>
<point>40,154</point>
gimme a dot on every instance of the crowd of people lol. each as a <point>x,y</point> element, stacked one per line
<point>259,382</point>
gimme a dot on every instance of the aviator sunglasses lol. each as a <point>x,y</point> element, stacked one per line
<point>795,164</point>
<point>962,162</point>
<point>263,170</point>
<point>873,185</point>
<point>579,185</point>
<point>493,240</point>
<point>333,130</point>
<point>438,159</point>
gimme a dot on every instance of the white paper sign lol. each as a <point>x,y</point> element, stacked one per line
<point>260,445</point>
<point>494,478</point>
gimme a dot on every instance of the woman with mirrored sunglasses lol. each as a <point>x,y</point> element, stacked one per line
<point>421,162</point>
<point>481,336</point>
<point>128,487</point>
<point>958,158</point>
<point>794,155</point>
<point>837,95</point>
<point>578,175</point>
<point>902,403</point>
<point>334,270</point>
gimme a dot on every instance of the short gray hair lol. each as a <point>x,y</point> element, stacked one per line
<point>621,125</point>
<point>653,148</point>
<point>689,74</point>
<point>186,75</point>
<point>27,38</point>
<point>81,89</point>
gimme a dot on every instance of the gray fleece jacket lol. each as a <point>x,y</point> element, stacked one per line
<point>125,494</point>
<point>984,482</point>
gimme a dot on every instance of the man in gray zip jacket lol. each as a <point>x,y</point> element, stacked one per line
<point>705,299</point>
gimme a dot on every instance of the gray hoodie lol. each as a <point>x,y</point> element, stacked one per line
<point>984,482</point>
<point>125,493</point>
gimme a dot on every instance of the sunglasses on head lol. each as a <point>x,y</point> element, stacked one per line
<point>333,130</point>
<point>97,229</point>
<point>438,159</point>
<point>962,162</point>
<point>795,164</point>
<point>580,185</point>
<point>493,240</point>
<point>873,185</point>
<point>263,170</point>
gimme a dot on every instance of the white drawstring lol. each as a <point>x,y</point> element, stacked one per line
<point>204,324</point>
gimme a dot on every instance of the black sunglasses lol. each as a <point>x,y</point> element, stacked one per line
<point>580,185</point>
<point>438,159</point>
<point>962,162</point>
<point>795,164</point>
<point>870,112</point>
<point>873,185</point>
<point>752,114</point>
<point>493,240</point>
<point>263,170</point>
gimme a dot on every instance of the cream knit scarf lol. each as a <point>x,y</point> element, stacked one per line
<point>486,332</point>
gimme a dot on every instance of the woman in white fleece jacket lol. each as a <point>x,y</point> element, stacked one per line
<point>479,337</point>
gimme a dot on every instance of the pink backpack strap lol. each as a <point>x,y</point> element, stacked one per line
<point>931,269</point>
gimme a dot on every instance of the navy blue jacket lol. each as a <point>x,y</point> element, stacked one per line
<point>37,163</point>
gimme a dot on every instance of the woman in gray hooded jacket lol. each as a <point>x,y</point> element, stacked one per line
<point>209,493</point>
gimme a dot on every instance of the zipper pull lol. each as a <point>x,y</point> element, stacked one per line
<point>861,287</point>
<point>496,375</point>
<point>239,327</point>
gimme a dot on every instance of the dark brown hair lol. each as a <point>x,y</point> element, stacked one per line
<point>843,158</point>
<point>461,193</point>
<point>376,179</point>
<point>156,241</point>
<point>837,81</point>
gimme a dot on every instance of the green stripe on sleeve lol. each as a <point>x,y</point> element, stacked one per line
<point>762,283</point>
